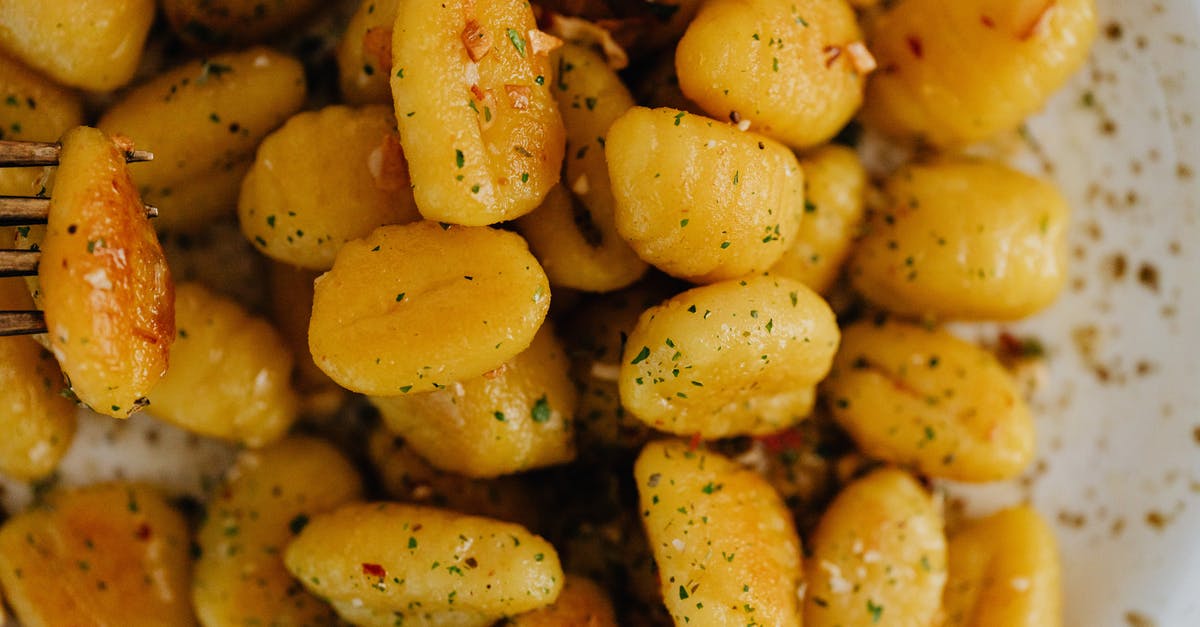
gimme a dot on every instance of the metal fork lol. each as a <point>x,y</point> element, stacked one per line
<point>27,210</point>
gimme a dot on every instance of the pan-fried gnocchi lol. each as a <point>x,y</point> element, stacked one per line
<point>364,54</point>
<point>964,240</point>
<point>834,188</point>
<point>471,88</point>
<point>413,562</point>
<point>291,309</point>
<point>90,44</point>
<point>298,206</point>
<point>878,556</point>
<point>1004,572</point>
<point>414,308</point>
<point>105,287</point>
<point>726,550</point>
<point>230,375</point>
<point>793,71</point>
<point>202,120</point>
<point>107,554</point>
<point>963,72</point>
<point>923,398</point>
<point>514,418</point>
<point>574,232</point>
<point>267,498</point>
<point>37,420</point>
<point>732,358</point>
<point>220,23</point>
<point>699,199</point>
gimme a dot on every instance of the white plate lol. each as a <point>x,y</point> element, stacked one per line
<point>1119,416</point>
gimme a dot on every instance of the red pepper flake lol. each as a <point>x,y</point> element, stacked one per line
<point>694,443</point>
<point>915,46</point>
<point>787,439</point>
<point>373,570</point>
<point>831,55</point>
<point>478,93</point>
<point>987,21</point>
<point>393,167</point>
<point>142,532</point>
<point>476,40</point>
<point>377,44</point>
<point>519,95</point>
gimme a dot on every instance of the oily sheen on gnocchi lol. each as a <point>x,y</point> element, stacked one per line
<point>520,314</point>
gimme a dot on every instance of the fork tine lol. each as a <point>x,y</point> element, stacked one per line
<point>19,262</point>
<point>23,154</point>
<point>21,323</point>
<point>19,210</point>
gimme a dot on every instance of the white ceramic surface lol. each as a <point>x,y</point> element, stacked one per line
<point>1119,409</point>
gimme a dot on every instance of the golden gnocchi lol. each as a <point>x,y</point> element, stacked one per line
<point>923,398</point>
<point>471,87</point>
<point>699,199</point>
<point>299,206</point>
<point>414,308</point>
<point>105,287</point>
<point>731,358</point>
<point>965,240</point>
<point>364,54</point>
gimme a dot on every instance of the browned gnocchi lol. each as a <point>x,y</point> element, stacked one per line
<point>699,199</point>
<point>119,548</point>
<point>432,304</point>
<point>106,290</point>
<point>471,87</point>
<point>219,23</point>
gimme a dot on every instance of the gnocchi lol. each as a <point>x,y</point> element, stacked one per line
<point>877,556</point>
<point>230,374</point>
<point>732,358</point>
<point>267,498</point>
<point>219,23</point>
<point>397,561</point>
<point>514,418</point>
<point>105,287</point>
<point>699,199</point>
<point>923,398</point>
<point>963,240</point>
<point>299,206</point>
<point>32,108</point>
<point>202,120</point>
<point>581,603</point>
<point>477,120</point>
<point>726,550</point>
<point>414,308</point>
<point>364,54</point>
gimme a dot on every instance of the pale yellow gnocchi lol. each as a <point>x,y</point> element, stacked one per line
<point>410,563</point>
<point>91,44</point>
<point>1004,572</point>
<point>923,398</point>
<point>230,375</point>
<point>699,199</point>
<point>471,88</point>
<point>203,120</point>
<point>32,108</point>
<point>417,307</point>
<point>298,205</point>
<point>268,497</point>
<point>574,233</point>
<point>37,419</point>
<point>834,207</point>
<point>793,71</point>
<point>105,288</point>
<point>878,556</point>
<point>733,358</point>
<point>962,72</point>
<point>514,418</point>
<point>963,240</point>
<point>726,549</point>
<point>107,554</point>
